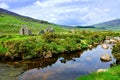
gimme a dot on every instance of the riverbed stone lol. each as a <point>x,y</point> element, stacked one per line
<point>90,46</point>
<point>106,57</point>
<point>105,46</point>
<point>101,70</point>
<point>107,41</point>
<point>117,38</point>
<point>113,41</point>
<point>108,37</point>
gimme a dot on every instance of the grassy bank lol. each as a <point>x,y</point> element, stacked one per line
<point>112,74</point>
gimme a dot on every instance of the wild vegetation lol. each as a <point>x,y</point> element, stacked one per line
<point>27,47</point>
<point>116,52</point>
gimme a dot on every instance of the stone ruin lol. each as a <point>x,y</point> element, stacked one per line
<point>49,29</point>
<point>25,31</point>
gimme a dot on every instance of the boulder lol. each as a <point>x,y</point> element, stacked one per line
<point>101,70</point>
<point>105,46</point>
<point>106,57</point>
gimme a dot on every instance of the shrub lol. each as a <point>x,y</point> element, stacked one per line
<point>116,51</point>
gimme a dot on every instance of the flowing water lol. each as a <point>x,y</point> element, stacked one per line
<point>66,66</point>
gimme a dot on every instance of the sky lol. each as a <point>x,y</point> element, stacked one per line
<point>66,12</point>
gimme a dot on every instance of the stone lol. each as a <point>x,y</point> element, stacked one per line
<point>47,54</point>
<point>41,32</point>
<point>113,41</point>
<point>49,29</point>
<point>22,31</point>
<point>117,38</point>
<point>105,46</point>
<point>109,37</point>
<point>101,70</point>
<point>90,46</point>
<point>106,57</point>
<point>52,31</point>
<point>29,32</point>
<point>107,41</point>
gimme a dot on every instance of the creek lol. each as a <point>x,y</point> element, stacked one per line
<point>67,66</point>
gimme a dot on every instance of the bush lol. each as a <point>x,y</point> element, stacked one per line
<point>116,51</point>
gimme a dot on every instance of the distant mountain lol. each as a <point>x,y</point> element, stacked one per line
<point>111,25</point>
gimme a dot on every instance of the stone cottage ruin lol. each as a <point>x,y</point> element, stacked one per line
<point>25,31</point>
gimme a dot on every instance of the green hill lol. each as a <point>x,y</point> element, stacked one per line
<point>109,25</point>
<point>11,23</point>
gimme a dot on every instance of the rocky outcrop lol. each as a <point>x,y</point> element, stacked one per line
<point>106,57</point>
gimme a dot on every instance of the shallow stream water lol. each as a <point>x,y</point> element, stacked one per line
<point>67,66</point>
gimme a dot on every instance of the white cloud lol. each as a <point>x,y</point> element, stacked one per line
<point>41,4</point>
<point>51,10</point>
<point>4,5</point>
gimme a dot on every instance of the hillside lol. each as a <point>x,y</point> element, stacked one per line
<point>11,22</point>
<point>110,25</point>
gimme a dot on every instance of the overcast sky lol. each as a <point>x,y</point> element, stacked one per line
<point>66,12</point>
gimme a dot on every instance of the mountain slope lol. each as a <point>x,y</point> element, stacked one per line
<point>111,25</point>
<point>3,11</point>
<point>11,22</point>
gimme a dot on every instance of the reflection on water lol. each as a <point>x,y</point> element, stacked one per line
<point>66,66</point>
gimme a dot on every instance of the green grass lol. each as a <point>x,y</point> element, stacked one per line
<point>111,74</point>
